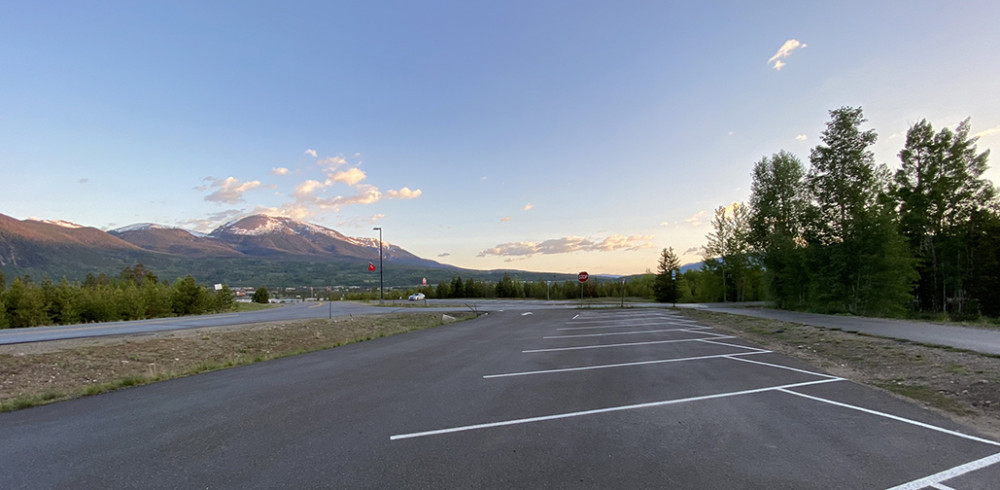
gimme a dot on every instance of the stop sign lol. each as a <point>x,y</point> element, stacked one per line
<point>583,276</point>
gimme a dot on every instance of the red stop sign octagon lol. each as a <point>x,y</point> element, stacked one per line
<point>583,276</point>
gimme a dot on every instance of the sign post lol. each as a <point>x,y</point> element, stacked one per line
<point>582,277</point>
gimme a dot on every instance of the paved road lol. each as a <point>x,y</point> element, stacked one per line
<point>545,399</point>
<point>976,339</point>
<point>290,311</point>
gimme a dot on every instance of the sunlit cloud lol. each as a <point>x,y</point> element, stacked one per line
<point>988,132</point>
<point>307,188</point>
<point>404,193</point>
<point>279,171</point>
<point>332,162</point>
<point>311,152</point>
<point>210,222</point>
<point>569,245</point>
<point>696,218</point>
<point>801,137</point>
<point>664,223</point>
<point>350,176</point>
<point>784,52</point>
<point>528,207</point>
<point>505,219</point>
<point>230,190</point>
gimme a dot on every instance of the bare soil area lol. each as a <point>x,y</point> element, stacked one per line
<point>43,372</point>
<point>962,385</point>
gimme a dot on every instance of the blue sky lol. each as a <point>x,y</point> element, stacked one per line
<point>536,135</point>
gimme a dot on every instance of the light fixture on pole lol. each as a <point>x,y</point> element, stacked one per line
<point>381,277</point>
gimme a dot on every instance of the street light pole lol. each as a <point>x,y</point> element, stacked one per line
<point>381,276</point>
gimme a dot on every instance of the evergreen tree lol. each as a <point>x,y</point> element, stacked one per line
<point>261,295</point>
<point>859,261</point>
<point>668,273</point>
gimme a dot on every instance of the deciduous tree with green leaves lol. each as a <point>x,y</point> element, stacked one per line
<point>938,189</point>
<point>777,209</point>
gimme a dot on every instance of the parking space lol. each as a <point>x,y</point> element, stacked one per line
<point>659,400</point>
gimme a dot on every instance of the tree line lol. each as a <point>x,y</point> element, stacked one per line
<point>849,236</point>
<point>135,294</point>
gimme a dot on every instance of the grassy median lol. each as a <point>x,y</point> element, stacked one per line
<point>45,372</point>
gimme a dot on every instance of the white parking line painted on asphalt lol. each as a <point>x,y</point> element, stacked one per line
<point>936,479</point>
<point>626,344</point>
<point>620,333</point>
<point>605,321</point>
<point>623,364</point>
<point>893,417</point>
<point>712,341</point>
<point>942,486</point>
<point>797,370</point>
<point>656,324</point>
<point>605,410</point>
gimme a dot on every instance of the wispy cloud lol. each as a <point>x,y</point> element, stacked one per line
<point>569,245</point>
<point>988,132</point>
<point>801,137</point>
<point>311,152</point>
<point>445,254</point>
<point>784,52</point>
<point>279,171</point>
<point>332,162</point>
<point>230,190</point>
<point>695,219</point>
<point>528,207</point>
<point>83,180</point>
<point>404,193</point>
<point>505,219</point>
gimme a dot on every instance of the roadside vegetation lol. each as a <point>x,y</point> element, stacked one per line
<point>136,294</point>
<point>45,372</point>
<point>848,235</point>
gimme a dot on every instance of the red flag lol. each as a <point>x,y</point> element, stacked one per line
<point>371,267</point>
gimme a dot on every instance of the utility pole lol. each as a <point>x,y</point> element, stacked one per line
<point>381,274</point>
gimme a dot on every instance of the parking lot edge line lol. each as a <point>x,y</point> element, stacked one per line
<point>626,344</point>
<point>893,417</point>
<point>653,324</point>
<point>616,333</point>
<point>604,410</point>
<point>624,364</point>
<point>785,367</point>
<point>712,341</point>
<point>936,479</point>
<point>941,486</point>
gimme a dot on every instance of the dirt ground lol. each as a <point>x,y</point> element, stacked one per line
<point>43,372</point>
<point>962,385</point>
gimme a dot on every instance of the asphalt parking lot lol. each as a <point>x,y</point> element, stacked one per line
<point>635,398</point>
<point>676,405</point>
